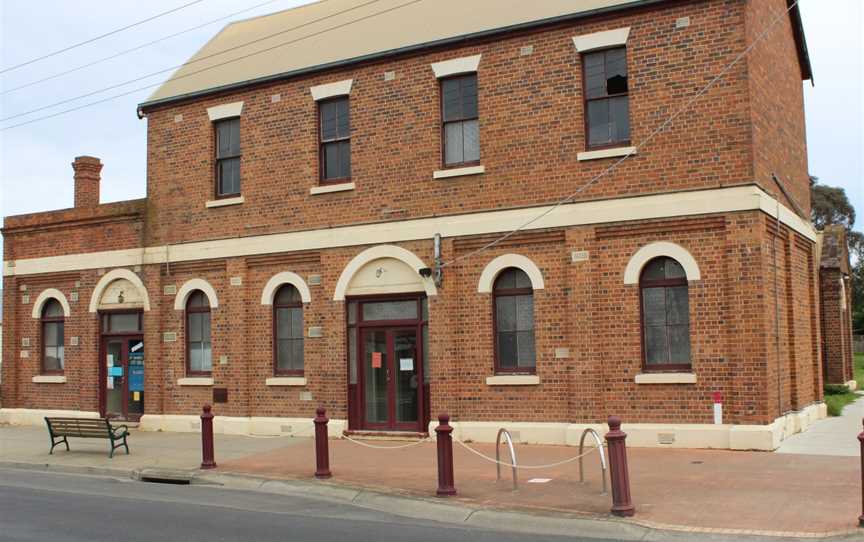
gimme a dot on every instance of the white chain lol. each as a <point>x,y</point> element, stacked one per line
<point>550,465</point>
<point>410,444</point>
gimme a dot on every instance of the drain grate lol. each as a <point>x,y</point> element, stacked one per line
<point>163,476</point>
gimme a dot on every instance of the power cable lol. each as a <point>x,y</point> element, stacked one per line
<point>105,35</point>
<point>193,61</point>
<point>139,47</point>
<point>632,151</point>
<point>89,104</point>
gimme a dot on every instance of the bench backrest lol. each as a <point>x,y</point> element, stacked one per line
<point>79,427</point>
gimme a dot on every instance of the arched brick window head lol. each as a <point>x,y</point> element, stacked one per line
<point>513,322</point>
<point>199,357</point>
<point>52,338</point>
<point>665,307</point>
<point>288,331</point>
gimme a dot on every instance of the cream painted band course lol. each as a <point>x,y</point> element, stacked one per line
<point>44,296</point>
<point>678,204</point>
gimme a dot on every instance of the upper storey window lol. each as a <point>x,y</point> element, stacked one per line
<point>461,129</point>
<point>228,157</point>
<point>335,139</point>
<point>607,104</point>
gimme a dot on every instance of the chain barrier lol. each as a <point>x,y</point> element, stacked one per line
<point>397,447</point>
<point>550,465</point>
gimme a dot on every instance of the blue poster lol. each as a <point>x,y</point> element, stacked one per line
<point>115,371</point>
<point>136,378</point>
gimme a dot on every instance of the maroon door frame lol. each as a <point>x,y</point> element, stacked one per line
<point>357,395</point>
<point>124,337</point>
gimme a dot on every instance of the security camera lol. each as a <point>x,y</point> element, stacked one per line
<point>425,272</point>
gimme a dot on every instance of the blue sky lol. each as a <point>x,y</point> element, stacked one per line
<point>35,172</point>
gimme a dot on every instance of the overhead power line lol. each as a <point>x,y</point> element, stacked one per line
<point>201,59</point>
<point>142,46</point>
<point>687,105</point>
<point>109,98</point>
<point>99,37</point>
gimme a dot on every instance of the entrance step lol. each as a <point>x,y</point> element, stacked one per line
<point>386,435</point>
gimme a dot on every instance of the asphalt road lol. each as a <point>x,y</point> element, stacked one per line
<point>40,506</point>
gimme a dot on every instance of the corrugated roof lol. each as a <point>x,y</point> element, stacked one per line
<point>360,29</point>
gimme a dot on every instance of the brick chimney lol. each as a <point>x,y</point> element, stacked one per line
<point>87,177</point>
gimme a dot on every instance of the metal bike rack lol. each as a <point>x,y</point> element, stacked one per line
<point>506,434</point>
<point>603,465</point>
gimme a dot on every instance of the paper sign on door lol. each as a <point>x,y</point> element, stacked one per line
<point>376,360</point>
<point>406,364</point>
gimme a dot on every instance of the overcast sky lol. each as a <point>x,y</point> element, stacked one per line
<point>35,174</point>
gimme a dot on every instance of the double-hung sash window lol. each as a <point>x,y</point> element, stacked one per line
<point>607,104</point>
<point>228,157</point>
<point>665,308</point>
<point>52,337</point>
<point>288,331</point>
<point>198,352</point>
<point>461,125</point>
<point>514,322</point>
<point>334,118</point>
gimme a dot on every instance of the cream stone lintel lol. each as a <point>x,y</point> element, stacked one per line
<point>195,381</point>
<point>224,111</point>
<point>331,90</point>
<point>285,277</point>
<point>111,276</point>
<point>190,286</point>
<point>458,172</point>
<point>224,202</point>
<point>666,378</point>
<point>601,40</point>
<point>605,153</point>
<point>286,381</point>
<point>649,207</point>
<point>493,268</point>
<point>661,248</point>
<point>49,379</point>
<point>512,380</point>
<point>329,188</point>
<point>456,66</point>
<point>44,296</point>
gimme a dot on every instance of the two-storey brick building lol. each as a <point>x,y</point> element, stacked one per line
<point>332,196</point>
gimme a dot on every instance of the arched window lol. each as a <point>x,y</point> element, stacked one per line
<point>665,309</point>
<point>52,337</point>
<point>288,331</point>
<point>513,322</point>
<point>198,354</point>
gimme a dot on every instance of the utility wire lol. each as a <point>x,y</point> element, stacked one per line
<point>196,60</point>
<point>105,35</point>
<point>139,47</point>
<point>632,151</point>
<point>109,98</point>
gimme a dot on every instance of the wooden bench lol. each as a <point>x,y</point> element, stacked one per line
<point>61,428</point>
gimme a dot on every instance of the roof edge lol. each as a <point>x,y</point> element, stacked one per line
<point>399,51</point>
<point>800,42</point>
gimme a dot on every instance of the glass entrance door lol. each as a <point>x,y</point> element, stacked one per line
<point>124,377</point>
<point>390,378</point>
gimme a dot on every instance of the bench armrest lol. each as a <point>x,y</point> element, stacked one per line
<point>119,428</point>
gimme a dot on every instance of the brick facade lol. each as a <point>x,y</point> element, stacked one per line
<point>836,306</point>
<point>754,325</point>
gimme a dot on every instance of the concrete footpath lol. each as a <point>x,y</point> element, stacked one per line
<point>831,435</point>
<point>733,494</point>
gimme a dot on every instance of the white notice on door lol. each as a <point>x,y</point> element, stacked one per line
<point>110,360</point>
<point>406,364</point>
<point>110,383</point>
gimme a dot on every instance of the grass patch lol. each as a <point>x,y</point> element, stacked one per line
<point>838,396</point>
<point>858,370</point>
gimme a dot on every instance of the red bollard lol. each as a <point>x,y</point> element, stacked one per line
<point>207,458</point>
<point>446,486</point>
<point>861,440</point>
<point>622,505</point>
<point>322,449</point>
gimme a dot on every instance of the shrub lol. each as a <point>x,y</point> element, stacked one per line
<point>836,389</point>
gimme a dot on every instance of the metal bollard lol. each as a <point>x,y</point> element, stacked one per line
<point>622,505</point>
<point>207,458</point>
<point>322,447</point>
<point>445,457</point>
<point>861,440</point>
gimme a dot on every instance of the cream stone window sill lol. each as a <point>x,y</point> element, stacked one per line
<point>49,379</point>
<point>195,381</point>
<point>513,380</point>
<point>606,153</point>
<point>458,172</point>
<point>328,188</point>
<point>666,378</point>
<point>286,381</point>
<point>225,202</point>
